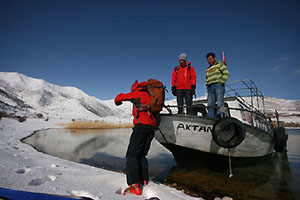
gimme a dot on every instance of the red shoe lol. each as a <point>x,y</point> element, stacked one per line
<point>133,189</point>
<point>145,183</point>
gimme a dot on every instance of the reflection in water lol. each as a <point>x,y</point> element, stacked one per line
<point>275,178</point>
<point>269,180</point>
<point>278,177</point>
<point>104,148</point>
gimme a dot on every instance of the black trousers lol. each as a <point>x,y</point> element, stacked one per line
<point>136,161</point>
<point>187,95</point>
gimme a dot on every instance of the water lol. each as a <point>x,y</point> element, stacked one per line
<point>103,148</point>
<point>278,177</point>
<point>294,160</point>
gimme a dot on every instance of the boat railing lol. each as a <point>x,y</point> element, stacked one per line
<point>242,89</point>
<point>215,107</point>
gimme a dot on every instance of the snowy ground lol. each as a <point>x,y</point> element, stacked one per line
<point>23,168</point>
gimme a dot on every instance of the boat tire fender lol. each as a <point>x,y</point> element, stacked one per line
<point>280,138</point>
<point>228,132</point>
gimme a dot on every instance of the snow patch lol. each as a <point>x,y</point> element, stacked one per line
<point>82,193</point>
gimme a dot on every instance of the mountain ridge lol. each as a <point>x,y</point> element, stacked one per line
<point>28,96</point>
<point>20,93</point>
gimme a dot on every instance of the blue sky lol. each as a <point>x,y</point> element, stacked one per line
<point>101,47</point>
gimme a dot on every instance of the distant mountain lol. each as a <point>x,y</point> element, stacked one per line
<point>289,110</point>
<point>283,106</point>
<point>28,96</point>
<point>23,95</point>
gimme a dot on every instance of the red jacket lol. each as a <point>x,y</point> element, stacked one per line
<point>184,77</point>
<point>138,98</point>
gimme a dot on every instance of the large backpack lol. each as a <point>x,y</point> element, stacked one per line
<point>156,91</point>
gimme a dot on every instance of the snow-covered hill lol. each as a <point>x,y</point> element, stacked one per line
<point>28,96</point>
<point>289,110</point>
<point>23,95</point>
<point>283,106</point>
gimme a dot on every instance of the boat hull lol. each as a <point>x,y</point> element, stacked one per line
<point>195,133</point>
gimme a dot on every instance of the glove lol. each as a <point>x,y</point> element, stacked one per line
<point>174,92</point>
<point>117,100</point>
<point>118,103</point>
<point>193,89</point>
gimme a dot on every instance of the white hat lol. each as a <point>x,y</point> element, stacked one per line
<point>183,56</point>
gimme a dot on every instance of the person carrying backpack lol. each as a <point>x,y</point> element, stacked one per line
<point>147,99</point>
<point>184,83</point>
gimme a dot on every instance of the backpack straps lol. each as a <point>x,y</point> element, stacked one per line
<point>178,67</point>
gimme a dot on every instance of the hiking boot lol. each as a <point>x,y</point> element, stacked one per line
<point>145,183</point>
<point>133,189</point>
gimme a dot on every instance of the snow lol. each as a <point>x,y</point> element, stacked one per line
<point>38,96</point>
<point>24,168</point>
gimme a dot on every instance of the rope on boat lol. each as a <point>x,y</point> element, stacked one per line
<point>163,136</point>
<point>230,169</point>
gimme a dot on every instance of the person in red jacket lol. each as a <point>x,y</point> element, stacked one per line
<point>140,139</point>
<point>184,83</point>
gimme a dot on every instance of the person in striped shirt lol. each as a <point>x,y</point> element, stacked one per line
<point>216,76</point>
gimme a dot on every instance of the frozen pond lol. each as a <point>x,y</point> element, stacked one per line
<point>103,148</point>
<point>276,178</point>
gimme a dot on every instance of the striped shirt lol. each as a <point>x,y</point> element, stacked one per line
<point>216,73</point>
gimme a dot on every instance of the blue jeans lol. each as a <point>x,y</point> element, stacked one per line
<point>215,93</point>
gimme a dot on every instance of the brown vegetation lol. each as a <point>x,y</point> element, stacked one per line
<point>12,116</point>
<point>4,114</point>
<point>21,119</point>
<point>289,124</point>
<point>94,125</point>
<point>39,115</point>
<point>286,124</point>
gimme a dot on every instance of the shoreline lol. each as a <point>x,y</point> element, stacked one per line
<point>24,168</point>
<point>84,124</point>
